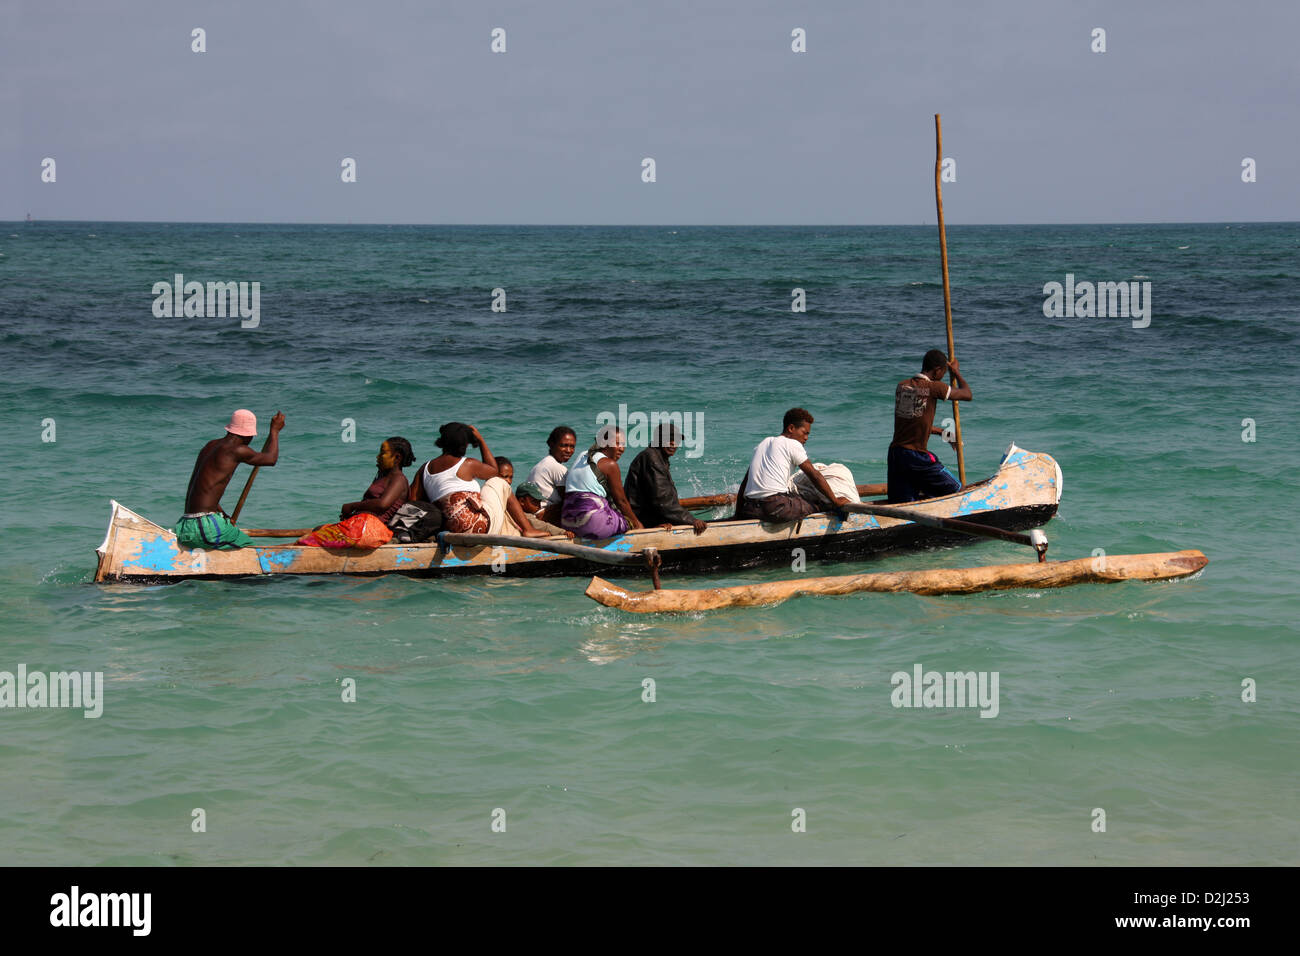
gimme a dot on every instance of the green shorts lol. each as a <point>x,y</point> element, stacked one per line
<point>210,530</point>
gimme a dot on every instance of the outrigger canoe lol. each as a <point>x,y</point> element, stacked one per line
<point>1023,493</point>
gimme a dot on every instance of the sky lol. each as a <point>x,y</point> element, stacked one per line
<point>742,129</point>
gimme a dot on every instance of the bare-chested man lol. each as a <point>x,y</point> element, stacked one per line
<point>914,471</point>
<point>204,524</point>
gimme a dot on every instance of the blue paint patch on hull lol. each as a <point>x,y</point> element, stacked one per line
<point>273,561</point>
<point>1018,457</point>
<point>156,554</point>
<point>982,502</point>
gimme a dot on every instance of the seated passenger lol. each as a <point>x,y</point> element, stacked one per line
<point>767,493</point>
<point>590,485</point>
<point>504,511</point>
<point>448,480</point>
<point>650,487</point>
<point>543,489</point>
<point>388,491</point>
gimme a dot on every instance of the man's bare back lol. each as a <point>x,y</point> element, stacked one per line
<point>217,462</point>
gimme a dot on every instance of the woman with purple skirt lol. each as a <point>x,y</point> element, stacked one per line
<point>592,483</point>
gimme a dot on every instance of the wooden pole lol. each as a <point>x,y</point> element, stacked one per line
<point>947,292</point>
<point>599,555</point>
<point>244,497</point>
<point>707,501</point>
<point>1054,574</point>
<point>947,524</point>
<point>542,544</point>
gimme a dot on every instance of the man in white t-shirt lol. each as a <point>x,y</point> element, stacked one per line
<point>767,492</point>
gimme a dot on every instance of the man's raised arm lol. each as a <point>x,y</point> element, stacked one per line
<point>270,453</point>
<point>962,392</point>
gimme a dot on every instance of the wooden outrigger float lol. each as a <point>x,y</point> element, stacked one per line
<point>1023,493</point>
<point>1052,574</point>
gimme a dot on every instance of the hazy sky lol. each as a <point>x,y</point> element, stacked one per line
<point>742,129</point>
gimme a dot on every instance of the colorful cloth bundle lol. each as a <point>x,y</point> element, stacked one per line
<point>360,531</point>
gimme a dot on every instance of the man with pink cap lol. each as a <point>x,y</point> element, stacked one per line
<point>204,524</point>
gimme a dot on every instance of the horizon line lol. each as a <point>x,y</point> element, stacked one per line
<point>649,225</point>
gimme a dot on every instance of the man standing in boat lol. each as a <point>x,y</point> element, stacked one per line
<point>766,492</point>
<point>204,524</point>
<point>915,472</point>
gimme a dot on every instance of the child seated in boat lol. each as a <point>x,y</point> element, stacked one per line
<point>505,514</point>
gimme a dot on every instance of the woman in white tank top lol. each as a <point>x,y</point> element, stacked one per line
<point>448,480</point>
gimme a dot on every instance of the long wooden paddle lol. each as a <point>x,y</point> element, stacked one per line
<point>1036,540</point>
<point>541,544</point>
<point>599,555</point>
<point>947,293</point>
<point>244,497</point>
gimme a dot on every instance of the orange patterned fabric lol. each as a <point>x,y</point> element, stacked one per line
<point>359,531</point>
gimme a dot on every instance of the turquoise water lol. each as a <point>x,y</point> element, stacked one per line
<point>474,695</point>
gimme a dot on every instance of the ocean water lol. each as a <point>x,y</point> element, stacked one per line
<point>482,699</point>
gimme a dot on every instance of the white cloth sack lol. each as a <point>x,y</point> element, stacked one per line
<point>837,476</point>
